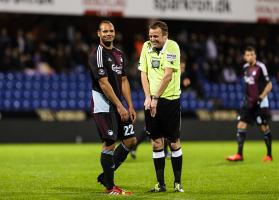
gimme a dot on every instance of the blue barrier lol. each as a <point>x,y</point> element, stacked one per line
<point>19,91</point>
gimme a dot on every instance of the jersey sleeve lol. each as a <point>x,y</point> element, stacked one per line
<point>125,65</point>
<point>96,65</point>
<point>172,56</point>
<point>143,60</point>
<point>264,73</point>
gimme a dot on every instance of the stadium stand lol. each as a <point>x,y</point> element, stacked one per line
<point>50,71</point>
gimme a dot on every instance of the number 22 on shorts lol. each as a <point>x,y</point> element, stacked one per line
<point>129,130</point>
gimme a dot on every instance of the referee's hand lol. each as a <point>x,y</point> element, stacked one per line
<point>153,107</point>
<point>147,103</point>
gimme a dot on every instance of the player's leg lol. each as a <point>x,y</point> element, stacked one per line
<point>108,164</point>
<point>240,138</point>
<point>128,139</point>
<point>268,141</point>
<point>140,138</point>
<point>108,125</point>
<point>244,118</point>
<point>120,155</point>
<point>122,150</point>
<point>262,118</point>
<point>107,130</point>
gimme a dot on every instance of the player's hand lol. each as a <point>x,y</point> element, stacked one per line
<point>147,103</point>
<point>123,113</point>
<point>153,107</point>
<point>133,114</point>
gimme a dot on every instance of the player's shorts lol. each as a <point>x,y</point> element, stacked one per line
<point>167,120</point>
<point>110,126</point>
<point>255,114</point>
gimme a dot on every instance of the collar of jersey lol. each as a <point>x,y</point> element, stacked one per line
<point>247,64</point>
<point>106,48</point>
<point>163,49</point>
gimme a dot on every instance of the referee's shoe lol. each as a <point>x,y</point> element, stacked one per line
<point>158,188</point>
<point>178,187</point>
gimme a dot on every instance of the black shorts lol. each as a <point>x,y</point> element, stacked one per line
<point>167,120</point>
<point>255,114</point>
<point>110,126</point>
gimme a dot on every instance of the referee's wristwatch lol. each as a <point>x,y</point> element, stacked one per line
<point>155,97</point>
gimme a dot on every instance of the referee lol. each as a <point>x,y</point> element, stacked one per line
<point>160,76</point>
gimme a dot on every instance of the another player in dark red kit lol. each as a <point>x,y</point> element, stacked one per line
<point>113,120</point>
<point>256,106</point>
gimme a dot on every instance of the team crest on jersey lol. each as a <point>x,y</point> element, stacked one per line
<point>254,73</point>
<point>110,132</point>
<point>116,68</point>
<point>101,72</point>
<point>249,80</point>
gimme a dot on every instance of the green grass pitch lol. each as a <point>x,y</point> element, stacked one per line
<point>69,171</point>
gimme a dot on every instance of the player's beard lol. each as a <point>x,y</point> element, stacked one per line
<point>107,43</point>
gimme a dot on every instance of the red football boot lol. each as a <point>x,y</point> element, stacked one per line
<point>235,157</point>
<point>118,191</point>
<point>267,159</point>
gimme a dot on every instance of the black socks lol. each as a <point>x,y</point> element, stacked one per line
<point>120,155</point>
<point>240,137</point>
<point>108,168</point>
<point>159,163</point>
<point>268,141</point>
<point>176,161</point>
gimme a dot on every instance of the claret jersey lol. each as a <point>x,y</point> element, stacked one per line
<point>255,77</point>
<point>108,63</point>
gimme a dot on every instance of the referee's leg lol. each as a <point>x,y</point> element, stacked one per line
<point>172,119</point>
<point>159,160</point>
<point>176,159</point>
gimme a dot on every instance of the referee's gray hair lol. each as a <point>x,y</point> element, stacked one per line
<point>160,24</point>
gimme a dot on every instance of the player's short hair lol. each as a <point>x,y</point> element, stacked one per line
<point>250,49</point>
<point>160,24</point>
<point>104,22</point>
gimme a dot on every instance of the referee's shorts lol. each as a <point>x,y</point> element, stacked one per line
<point>167,121</point>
